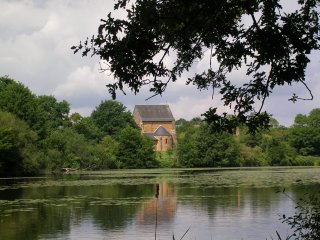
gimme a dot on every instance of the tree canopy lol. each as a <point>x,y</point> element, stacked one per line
<point>135,149</point>
<point>18,154</point>
<point>271,43</point>
<point>39,135</point>
<point>42,137</point>
<point>111,116</point>
<point>18,100</point>
<point>305,133</point>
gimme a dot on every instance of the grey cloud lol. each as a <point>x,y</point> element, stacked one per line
<point>35,41</point>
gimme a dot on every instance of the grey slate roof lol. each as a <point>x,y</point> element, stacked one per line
<point>161,131</point>
<point>157,113</point>
<point>150,135</point>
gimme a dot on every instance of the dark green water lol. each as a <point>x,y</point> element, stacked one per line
<point>220,204</point>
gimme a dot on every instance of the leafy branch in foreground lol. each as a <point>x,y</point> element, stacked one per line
<point>270,43</point>
<point>305,223</point>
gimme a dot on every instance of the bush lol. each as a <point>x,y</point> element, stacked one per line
<point>252,157</point>
<point>135,150</point>
<point>168,159</point>
<point>67,148</point>
<point>305,161</point>
<point>202,147</point>
<point>305,223</point>
<point>18,152</point>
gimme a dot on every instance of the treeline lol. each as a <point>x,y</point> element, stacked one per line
<point>39,135</point>
<point>299,145</point>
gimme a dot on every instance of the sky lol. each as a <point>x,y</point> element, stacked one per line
<point>35,41</point>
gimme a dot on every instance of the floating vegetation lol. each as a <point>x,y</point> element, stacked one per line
<point>227,177</point>
<point>118,198</point>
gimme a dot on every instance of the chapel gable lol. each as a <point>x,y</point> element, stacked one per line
<point>158,123</point>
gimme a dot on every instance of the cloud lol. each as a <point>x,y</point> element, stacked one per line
<point>35,41</point>
<point>83,87</point>
<point>36,45</point>
<point>13,22</point>
<point>188,107</point>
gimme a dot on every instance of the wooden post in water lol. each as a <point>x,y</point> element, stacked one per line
<point>157,196</point>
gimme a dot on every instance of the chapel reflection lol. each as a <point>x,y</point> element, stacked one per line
<point>163,206</point>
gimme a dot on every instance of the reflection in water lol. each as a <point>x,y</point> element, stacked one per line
<point>162,207</point>
<point>84,208</point>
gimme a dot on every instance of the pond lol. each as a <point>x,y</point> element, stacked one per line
<point>220,204</point>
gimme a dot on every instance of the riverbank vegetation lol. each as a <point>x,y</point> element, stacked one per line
<point>202,146</point>
<point>305,223</point>
<point>38,135</point>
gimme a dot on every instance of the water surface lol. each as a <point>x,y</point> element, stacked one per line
<point>215,204</point>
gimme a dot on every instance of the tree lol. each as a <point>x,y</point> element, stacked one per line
<point>135,149</point>
<point>88,128</point>
<point>272,45</point>
<point>18,154</point>
<point>111,117</point>
<point>53,114</point>
<point>110,152</point>
<point>210,147</point>
<point>66,148</point>
<point>305,133</point>
<point>200,147</point>
<point>180,122</point>
<point>20,101</point>
<point>75,117</point>
<point>188,136</point>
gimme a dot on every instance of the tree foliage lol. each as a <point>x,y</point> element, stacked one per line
<point>18,152</point>
<point>111,116</point>
<point>135,149</point>
<point>305,223</point>
<point>305,133</point>
<point>65,148</point>
<point>269,42</point>
<point>52,114</point>
<point>88,128</point>
<point>41,113</point>
<point>42,137</point>
<point>19,100</point>
<point>37,135</point>
<point>200,147</point>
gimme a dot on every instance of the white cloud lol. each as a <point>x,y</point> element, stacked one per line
<point>35,41</point>
<point>82,81</point>
<point>188,107</point>
<point>84,88</point>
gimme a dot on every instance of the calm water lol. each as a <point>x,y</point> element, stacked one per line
<point>213,204</point>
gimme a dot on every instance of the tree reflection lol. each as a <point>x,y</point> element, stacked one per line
<point>42,211</point>
<point>163,205</point>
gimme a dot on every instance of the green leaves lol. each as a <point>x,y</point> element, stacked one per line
<point>305,133</point>
<point>200,147</point>
<point>135,150</point>
<point>136,48</point>
<point>18,154</point>
<point>305,223</point>
<point>111,116</point>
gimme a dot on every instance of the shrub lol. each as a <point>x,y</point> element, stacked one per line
<point>305,223</point>
<point>305,161</point>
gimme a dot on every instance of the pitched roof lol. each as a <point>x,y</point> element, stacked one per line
<point>150,135</point>
<point>161,131</point>
<point>150,113</point>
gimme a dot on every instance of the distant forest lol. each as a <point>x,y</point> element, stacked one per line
<point>39,135</point>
